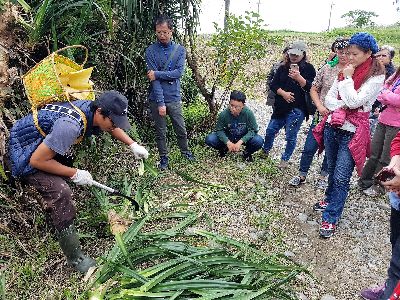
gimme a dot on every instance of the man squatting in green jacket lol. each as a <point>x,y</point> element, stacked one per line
<point>236,125</point>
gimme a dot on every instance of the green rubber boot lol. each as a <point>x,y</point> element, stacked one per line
<point>69,243</point>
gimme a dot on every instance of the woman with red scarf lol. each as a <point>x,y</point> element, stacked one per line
<point>345,131</point>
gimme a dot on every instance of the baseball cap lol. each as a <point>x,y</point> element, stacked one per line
<point>117,105</point>
<point>297,48</point>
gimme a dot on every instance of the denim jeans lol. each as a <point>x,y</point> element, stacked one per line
<point>252,145</point>
<point>340,169</point>
<point>307,156</point>
<point>174,111</point>
<point>292,123</point>
<point>394,267</point>
<point>380,153</point>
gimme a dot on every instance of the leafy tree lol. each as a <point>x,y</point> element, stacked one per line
<point>241,41</point>
<point>360,18</point>
<point>116,32</point>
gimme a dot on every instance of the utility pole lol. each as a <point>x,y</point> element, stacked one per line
<point>330,15</point>
<point>226,14</point>
<point>258,6</point>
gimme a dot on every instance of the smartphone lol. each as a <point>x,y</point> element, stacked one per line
<point>384,175</point>
<point>294,67</point>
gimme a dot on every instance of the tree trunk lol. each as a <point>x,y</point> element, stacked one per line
<point>6,41</point>
<point>226,15</point>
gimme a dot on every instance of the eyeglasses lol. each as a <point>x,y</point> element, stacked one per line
<point>236,107</point>
<point>161,33</point>
<point>381,55</point>
<point>341,52</point>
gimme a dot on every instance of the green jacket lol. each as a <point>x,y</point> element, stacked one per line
<point>230,128</point>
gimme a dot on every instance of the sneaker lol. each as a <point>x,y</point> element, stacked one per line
<point>189,156</point>
<point>297,180</point>
<point>283,164</point>
<point>322,183</point>
<point>320,206</point>
<point>163,165</point>
<point>327,229</point>
<point>247,156</point>
<point>373,293</point>
<point>372,191</point>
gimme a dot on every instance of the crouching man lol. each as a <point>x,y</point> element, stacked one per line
<point>36,158</point>
<point>236,125</point>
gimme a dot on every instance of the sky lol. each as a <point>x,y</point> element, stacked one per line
<point>298,15</point>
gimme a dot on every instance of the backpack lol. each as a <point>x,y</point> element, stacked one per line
<point>57,78</point>
<point>270,94</point>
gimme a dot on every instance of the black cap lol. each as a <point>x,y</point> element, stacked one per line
<point>117,106</point>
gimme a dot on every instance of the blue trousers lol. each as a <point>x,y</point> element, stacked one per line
<point>252,145</point>
<point>307,156</point>
<point>292,123</point>
<point>340,169</point>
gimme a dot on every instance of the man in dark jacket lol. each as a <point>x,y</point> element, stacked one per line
<point>165,65</point>
<point>236,126</point>
<point>36,159</point>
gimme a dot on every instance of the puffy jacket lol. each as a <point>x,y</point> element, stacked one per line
<point>25,138</point>
<point>359,145</point>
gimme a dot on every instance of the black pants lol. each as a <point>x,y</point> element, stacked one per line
<point>394,268</point>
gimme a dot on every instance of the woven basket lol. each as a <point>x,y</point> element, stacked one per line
<point>45,83</point>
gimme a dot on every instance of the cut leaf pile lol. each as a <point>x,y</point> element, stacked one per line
<point>179,263</point>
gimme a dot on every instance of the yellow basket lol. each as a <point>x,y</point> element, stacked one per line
<point>50,80</point>
<point>57,78</point>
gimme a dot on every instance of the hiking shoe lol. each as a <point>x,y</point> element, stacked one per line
<point>264,154</point>
<point>189,156</point>
<point>372,191</point>
<point>283,164</point>
<point>297,180</point>
<point>327,229</point>
<point>374,293</point>
<point>322,183</point>
<point>320,205</point>
<point>247,156</point>
<point>222,152</point>
<point>163,165</point>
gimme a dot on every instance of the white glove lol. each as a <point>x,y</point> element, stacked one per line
<point>139,151</point>
<point>82,177</point>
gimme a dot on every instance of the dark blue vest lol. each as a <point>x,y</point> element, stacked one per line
<point>25,138</point>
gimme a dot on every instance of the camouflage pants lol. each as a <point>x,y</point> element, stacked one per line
<point>57,198</point>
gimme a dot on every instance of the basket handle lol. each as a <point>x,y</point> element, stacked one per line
<point>75,46</point>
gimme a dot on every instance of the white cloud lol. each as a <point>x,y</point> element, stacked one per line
<point>305,15</point>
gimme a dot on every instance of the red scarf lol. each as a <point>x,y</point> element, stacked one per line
<point>359,75</point>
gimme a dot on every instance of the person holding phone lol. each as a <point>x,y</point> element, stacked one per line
<point>320,87</point>
<point>389,177</point>
<point>290,83</point>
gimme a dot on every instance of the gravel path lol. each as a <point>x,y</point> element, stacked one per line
<point>357,256</point>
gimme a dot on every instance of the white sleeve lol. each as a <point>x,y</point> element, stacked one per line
<point>366,94</point>
<point>331,99</point>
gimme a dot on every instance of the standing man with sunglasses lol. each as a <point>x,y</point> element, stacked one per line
<point>165,62</point>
